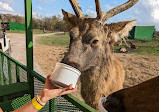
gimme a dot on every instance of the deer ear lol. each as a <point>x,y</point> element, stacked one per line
<point>70,19</point>
<point>120,30</point>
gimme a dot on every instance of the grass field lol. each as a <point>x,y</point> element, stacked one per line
<point>146,47</point>
<point>14,31</point>
<point>35,31</point>
<point>55,40</point>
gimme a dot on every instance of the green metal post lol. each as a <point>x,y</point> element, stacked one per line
<point>17,73</point>
<point>52,105</point>
<point>9,71</point>
<point>1,72</point>
<point>29,44</point>
<point>4,77</point>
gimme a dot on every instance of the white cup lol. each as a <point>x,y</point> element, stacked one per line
<point>64,75</point>
<point>101,107</point>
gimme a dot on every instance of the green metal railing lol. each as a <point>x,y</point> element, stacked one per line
<point>29,43</point>
<point>66,102</point>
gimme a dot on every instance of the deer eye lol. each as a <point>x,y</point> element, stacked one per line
<point>95,41</point>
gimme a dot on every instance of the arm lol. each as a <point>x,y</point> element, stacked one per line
<point>48,92</point>
<point>1,110</point>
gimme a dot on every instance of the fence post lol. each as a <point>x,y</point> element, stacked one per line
<point>29,44</point>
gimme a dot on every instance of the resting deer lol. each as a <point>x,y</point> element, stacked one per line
<point>90,52</point>
<point>143,97</point>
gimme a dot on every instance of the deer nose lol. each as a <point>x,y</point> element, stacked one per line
<point>114,103</point>
<point>73,64</point>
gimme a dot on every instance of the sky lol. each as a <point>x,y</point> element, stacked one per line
<point>145,11</point>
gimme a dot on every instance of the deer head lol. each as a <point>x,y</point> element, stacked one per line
<point>143,97</point>
<point>90,38</point>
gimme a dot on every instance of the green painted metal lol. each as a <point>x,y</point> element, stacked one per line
<point>14,104</point>
<point>13,60</point>
<point>30,45</point>
<point>2,69</point>
<point>4,80</point>
<point>84,107</point>
<point>132,33</point>
<point>38,76</point>
<point>14,88</point>
<point>52,105</point>
<point>144,32</point>
<point>79,104</point>
<point>29,39</point>
<point>1,83</point>
<point>6,105</point>
<point>9,72</point>
<point>14,26</point>
<point>17,73</point>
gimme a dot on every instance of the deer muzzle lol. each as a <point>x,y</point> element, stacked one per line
<point>71,63</point>
<point>114,103</point>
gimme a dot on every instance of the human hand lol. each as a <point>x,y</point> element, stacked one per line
<point>50,91</point>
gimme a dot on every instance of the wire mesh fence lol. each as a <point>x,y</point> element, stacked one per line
<point>12,72</point>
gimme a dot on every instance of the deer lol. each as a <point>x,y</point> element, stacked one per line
<point>143,97</point>
<point>89,51</point>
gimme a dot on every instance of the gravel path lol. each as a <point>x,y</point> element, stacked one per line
<point>18,49</point>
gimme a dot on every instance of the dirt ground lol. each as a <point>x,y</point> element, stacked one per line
<point>138,68</point>
<point>18,48</point>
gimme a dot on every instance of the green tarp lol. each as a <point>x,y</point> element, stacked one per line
<point>14,26</point>
<point>142,32</point>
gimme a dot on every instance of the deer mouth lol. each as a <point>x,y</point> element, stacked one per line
<point>114,103</point>
<point>73,64</point>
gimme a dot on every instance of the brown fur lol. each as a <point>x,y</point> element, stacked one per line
<point>90,52</point>
<point>140,98</point>
<point>102,80</point>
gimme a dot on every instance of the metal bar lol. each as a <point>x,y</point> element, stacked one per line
<point>81,105</point>
<point>52,105</point>
<point>84,107</point>
<point>4,78</point>
<point>9,71</point>
<point>38,76</point>
<point>17,73</point>
<point>13,60</point>
<point>70,98</point>
<point>29,44</point>
<point>1,73</point>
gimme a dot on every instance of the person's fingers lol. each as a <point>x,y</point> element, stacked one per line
<point>48,83</point>
<point>61,90</point>
<point>68,91</point>
<point>70,86</point>
<point>67,88</point>
<point>48,76</point>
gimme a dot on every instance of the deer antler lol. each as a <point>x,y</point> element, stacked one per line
<point>106,15</point>
<point>77,9</point>
<point>98,9</point>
